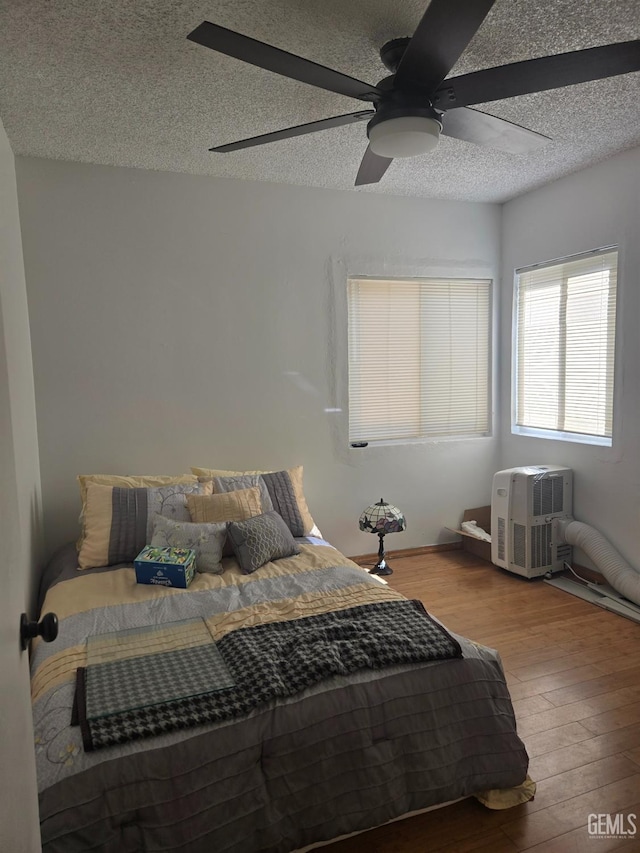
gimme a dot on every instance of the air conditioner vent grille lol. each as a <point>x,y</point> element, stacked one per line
<point>541,546</point>
<point>548,495</point>
<point>501,539</point>
<point>520,545</point>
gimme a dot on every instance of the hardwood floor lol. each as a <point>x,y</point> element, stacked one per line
<point>573,670</point>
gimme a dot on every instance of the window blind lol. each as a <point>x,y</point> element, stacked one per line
<point>566,317</point>
<point>419,358</point>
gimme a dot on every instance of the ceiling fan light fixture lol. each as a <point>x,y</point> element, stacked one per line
<point>404,136</point>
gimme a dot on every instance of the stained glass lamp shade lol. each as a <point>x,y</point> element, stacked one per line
<point>382,518</point>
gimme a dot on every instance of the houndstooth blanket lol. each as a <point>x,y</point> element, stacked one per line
<point>280,659</point>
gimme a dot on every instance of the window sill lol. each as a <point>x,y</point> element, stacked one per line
<point>557,435</point>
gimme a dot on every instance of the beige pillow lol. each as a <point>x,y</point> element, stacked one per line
<point>146,481</point>
<point>294,475</point>
<point>226,506</point>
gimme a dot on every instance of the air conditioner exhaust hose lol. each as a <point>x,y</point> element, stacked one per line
<point>622,577</point>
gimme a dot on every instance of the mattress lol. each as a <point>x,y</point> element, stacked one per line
<point>342,755</point>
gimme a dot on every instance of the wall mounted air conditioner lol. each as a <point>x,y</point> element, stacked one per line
<point>524,503</point>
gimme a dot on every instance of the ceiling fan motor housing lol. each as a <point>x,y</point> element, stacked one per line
<point>392,52</point>
<point>390,110</point>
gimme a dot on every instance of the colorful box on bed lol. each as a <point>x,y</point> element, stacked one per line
<point>165,566</point>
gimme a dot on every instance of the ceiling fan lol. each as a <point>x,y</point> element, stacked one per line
<point>415,104</point>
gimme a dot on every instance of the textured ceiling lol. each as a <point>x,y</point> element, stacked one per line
<point>116,82</point>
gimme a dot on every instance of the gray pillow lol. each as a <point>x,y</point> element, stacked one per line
<point>260,539</point>
<point>205,539</point>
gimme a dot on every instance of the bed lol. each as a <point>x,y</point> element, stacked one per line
<point>340,751</point>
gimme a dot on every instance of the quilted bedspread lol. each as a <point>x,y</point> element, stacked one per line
<point>346,752</point>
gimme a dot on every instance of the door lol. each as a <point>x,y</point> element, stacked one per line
<point>19,822</point>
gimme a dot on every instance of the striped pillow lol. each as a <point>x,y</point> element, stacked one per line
<point>118,522</point>
<point>129,481</point>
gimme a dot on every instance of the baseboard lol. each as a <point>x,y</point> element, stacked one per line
<point>588,574</point>
<point>409,552</point>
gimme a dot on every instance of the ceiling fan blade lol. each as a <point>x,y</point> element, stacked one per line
<point>445,30</point>
<point>372,168</point>
<point>539,75</point>
<point>280,62</point>
<point>298,130</point>
<point>491,131</point>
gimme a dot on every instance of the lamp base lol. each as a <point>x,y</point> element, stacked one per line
<point>381,568</point>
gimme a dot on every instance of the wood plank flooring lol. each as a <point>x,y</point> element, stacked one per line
<point>573,671</point>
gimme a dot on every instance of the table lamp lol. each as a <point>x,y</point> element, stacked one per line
<point>382,518</point>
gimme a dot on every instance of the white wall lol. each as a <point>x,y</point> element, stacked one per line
<point>181,320</point>
<point>19,526</point>
<point>19,430</point>
<point>596,207</point>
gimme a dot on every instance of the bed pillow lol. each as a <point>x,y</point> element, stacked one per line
<point>137,481</point>
<point>133,481</point>
<point>235,482</point>
<point>286,492</point>
<point>118,521</point>
<point>227,506</point>
<point>206,540</point>
<point>260,539</point>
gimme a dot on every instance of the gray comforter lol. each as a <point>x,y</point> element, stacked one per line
<point>343,755</point>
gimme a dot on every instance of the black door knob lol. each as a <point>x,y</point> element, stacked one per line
<point>47,628</point>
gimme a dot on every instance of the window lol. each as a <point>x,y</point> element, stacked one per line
<point>419,358</point>
<point>565,338</point>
